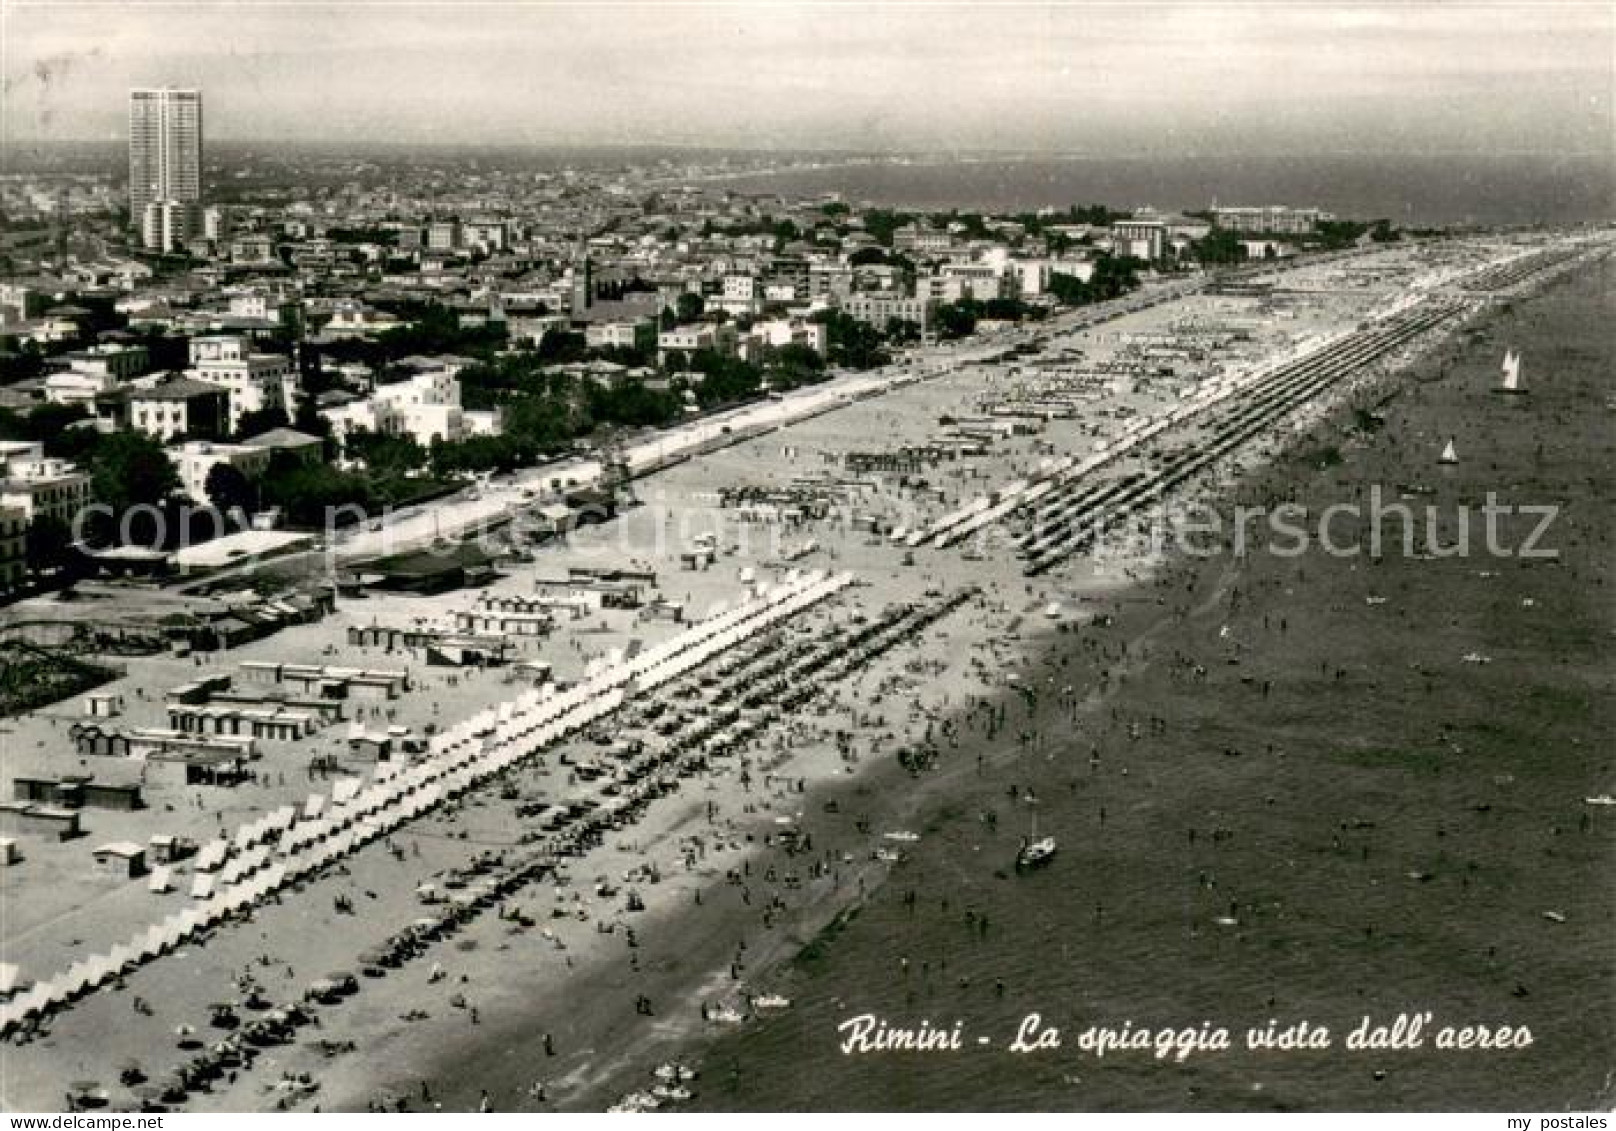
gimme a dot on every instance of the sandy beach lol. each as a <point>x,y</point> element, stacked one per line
<point>565,992</point>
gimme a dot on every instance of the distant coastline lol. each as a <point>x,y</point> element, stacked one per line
<point>1437,189</point>
<point>1487,190</point>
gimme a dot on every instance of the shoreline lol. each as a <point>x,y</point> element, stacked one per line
<point>776,966</point>
<point>732,1066</point>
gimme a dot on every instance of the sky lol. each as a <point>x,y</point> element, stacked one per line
<point>1064,78</point>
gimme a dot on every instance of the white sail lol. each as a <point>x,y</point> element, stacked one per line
<point>1512,372</point>
<point>1449,454</point>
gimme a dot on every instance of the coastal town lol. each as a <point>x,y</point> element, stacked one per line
<point>417,570</point>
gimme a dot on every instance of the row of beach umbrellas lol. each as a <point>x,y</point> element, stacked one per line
<point>291,843</point>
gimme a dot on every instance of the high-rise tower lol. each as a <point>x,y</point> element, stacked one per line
<point>165,158</point>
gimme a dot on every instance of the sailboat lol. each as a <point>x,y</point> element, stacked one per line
<point>1035,851</point>
<point>1512,373</point>
<point>1449,453</point>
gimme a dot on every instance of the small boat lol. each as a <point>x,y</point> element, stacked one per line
<point>673,1073</point>
<point>902,837</point>
<point>725,1015</point>
<point>1602,799</point>
<point>1449,453</point>
<point>671,1093</point>
<point>1036,853</point>
<point>771,1001</point>
<point>1512,373</point>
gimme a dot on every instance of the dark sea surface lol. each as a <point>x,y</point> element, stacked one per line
<point>1382,825</point>
<point>1501,189</point>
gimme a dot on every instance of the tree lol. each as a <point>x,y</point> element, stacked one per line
<point>558,347</point>
<point>793,365</point>
<point>633,405</point>
<point>725,379</point>
<point>690,307</point>
<point>19,360</point>
<point>1334,235</point>
<point>228,489</point>
<point>1220,245</point>
<point>261,420</point>
<point>163,352</point>
<point>49,545</point>
<point>47,422</point>
<point>130,469</point>
<point>313,494</point>
<point>385,454</point>
<point>902,331</point>
<point>851,343</point>
<point>957,319</point>
<point>882,223</point>
<point>1113,276</point>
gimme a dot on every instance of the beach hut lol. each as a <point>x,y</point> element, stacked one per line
<point>161,880</point>
<point>103,704</point>
<point>10,978</point>
<point>202,886</point>
<point>124,859</point>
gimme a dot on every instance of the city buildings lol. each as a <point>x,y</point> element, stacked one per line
<point>878,310</point>
<point>167,225</point>
<point>195,460</point>
<point>1141,239</point>
<point>1272,219</point>
<point>426,406</point>
<point>254,380</point>
<point>179,407</point>
<point>165,165</point>
<point>39,485</point>
<point>626,334</point>
<point>95,371</point>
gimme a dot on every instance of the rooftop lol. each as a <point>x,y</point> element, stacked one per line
<point>281,438</point>
<point>179,389</point>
